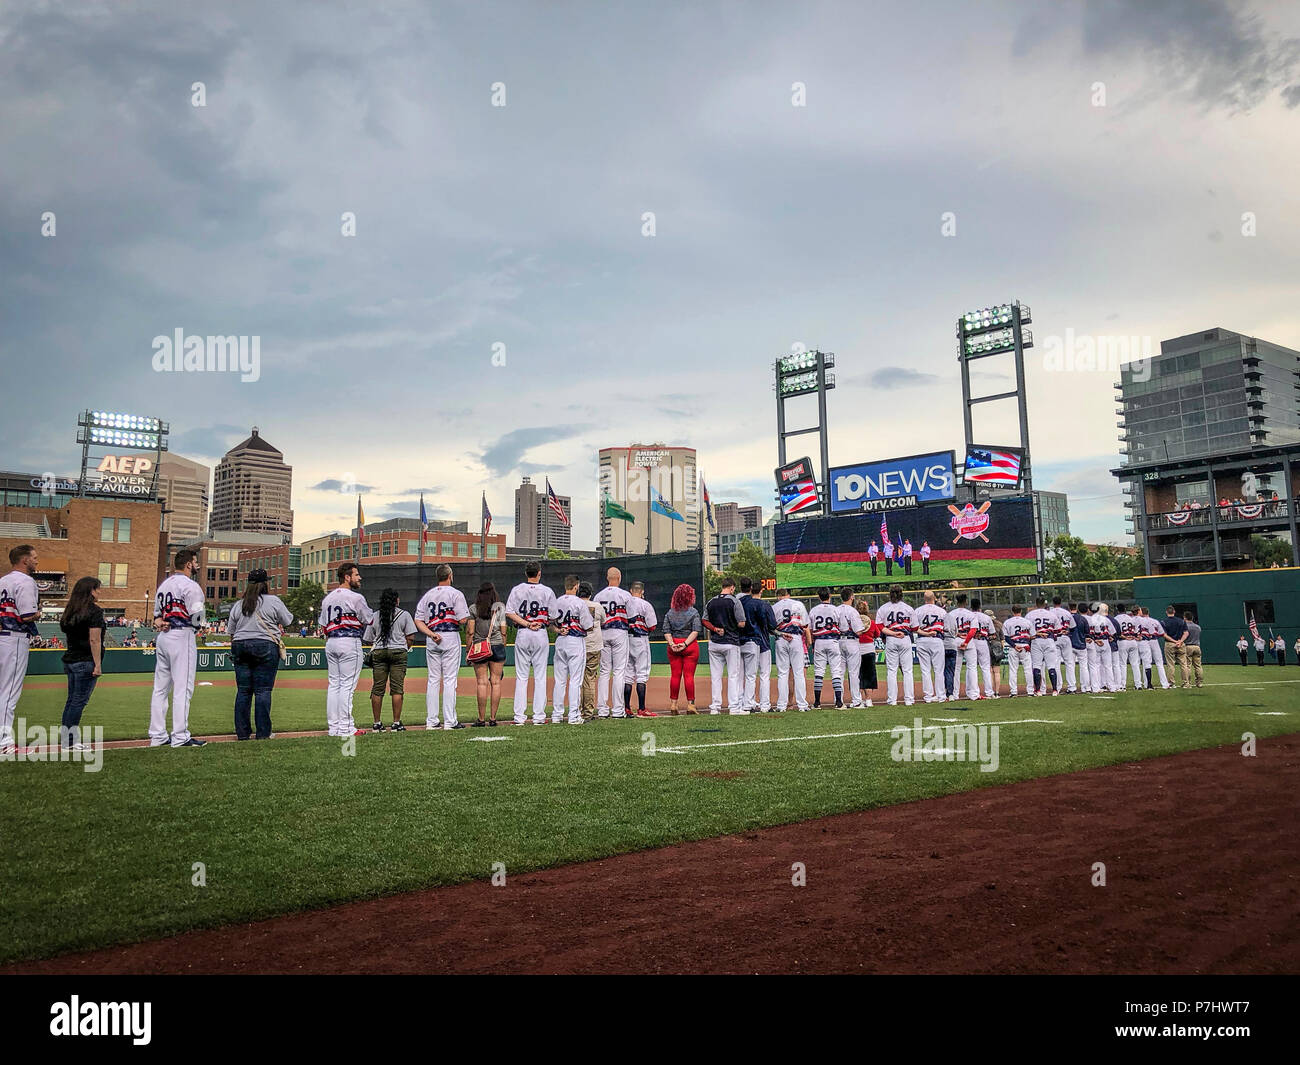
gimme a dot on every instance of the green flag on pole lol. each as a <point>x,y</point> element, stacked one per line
<point>613,510</point>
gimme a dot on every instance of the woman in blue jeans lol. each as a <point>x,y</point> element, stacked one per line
<point>83,661</point>
<point>255,645</point>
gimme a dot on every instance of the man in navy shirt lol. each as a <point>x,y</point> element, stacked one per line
<point>1176,644</point>
<point>756,646</point>
<point>724,617</point>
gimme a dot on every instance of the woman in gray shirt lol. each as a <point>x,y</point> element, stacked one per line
<point>682,635</point>
<point>255,648</point>
<point>391,631</point>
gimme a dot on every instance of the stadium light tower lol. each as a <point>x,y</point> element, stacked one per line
<point>116,432</point>
<point>997,330</point>
<point>801,374</point>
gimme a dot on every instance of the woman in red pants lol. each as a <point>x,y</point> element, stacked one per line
<point>682,634</point>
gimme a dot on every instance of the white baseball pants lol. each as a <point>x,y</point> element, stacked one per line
<point>725,656</point>
<point>1116,667</point>
<point>343,655</point>
<point>531,651</point>
<point>929,651</point>
<point>570,661</point>
<point>176,657</point>
<point>978,664</point>
<point>1130,657</point>
<point>613,671</point>
<point>898,656</point>
<point>828,656</point>
<point>1019,660</point>
<point>757,665</point>
<point>791,658</point>
<point>443,660</point>
<point>1158,661</point>
<point>851,652</point>
<point>1068,666</point>
<point>638,660</point>
<point>15,649</point>
<point>1044,655</point>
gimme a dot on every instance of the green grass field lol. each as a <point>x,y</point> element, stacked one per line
<point>98,858</point>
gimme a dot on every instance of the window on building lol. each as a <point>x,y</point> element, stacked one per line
<point>212,575</point>
<point>476,550</point>
<point>106,573</point>
<point>491,550</point>
<point>462,549</point>
<point>447,550</point>
<point>119,575</point>
<point>1261,608</point>
<point>365,550</point>
<point>123,530</point>
<point>106,530</point>
<point>412,547</point>
<point>388,547</point>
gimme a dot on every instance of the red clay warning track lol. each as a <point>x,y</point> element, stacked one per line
<point>1202,876</point>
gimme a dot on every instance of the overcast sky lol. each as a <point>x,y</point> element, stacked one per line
<point>479,225</point>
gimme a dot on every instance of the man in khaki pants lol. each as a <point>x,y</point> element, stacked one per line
<point>1176,645</point>
<point>595,642</point>
<point>1192,648</point>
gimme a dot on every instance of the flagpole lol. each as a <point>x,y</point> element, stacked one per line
<point>546,521</point>
<point>356,547</point>
<point>419,563</point>
<point>482,524</point>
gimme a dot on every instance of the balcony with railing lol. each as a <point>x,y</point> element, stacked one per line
<point>1233,515</point>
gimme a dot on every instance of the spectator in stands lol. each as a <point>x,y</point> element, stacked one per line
<point>682,630</point>
<point>256,647</point>
<point>83,661</point>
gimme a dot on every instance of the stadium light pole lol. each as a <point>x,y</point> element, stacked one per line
<point>802,374</point>
<point>999,330</point>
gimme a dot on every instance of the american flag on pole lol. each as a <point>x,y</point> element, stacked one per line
<point>553,501</point>
<point>1254,629</point>
<point>799,496</point>
<point>884,529</point>
<point>487,517</point>
<point>984,466</point>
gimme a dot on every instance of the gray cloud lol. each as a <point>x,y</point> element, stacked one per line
<point>506,454</point>
<point>334,485</point>
<point>206,441</point>
<point>893,377</point>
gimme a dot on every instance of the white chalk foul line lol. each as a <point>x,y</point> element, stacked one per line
<point>683,748</point>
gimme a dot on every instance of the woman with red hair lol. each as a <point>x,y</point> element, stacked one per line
<point>682,630</point>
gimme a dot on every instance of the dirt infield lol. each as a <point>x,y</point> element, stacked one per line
<point>1203,876</point>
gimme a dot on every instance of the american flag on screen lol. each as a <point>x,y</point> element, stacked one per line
<point>798,496</point>
<point>993,467</point>
<point>1254,629</point>
<point>884,530</point>
<point>553,501</point>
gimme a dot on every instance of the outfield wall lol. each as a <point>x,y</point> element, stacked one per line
<point>1218,602</point>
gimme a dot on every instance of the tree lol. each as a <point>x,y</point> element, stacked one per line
<point>712,583</point>
<point>304,601</point>
<point>1268,550</point>
<point>554,554</point>
<point>749,561</point>
<point>1068,558</point>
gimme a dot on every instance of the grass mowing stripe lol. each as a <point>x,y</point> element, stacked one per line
<point>93,859</point>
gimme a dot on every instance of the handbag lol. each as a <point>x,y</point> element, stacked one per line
<point>479,651</point>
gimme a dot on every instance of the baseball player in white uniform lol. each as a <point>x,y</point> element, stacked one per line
<point>982,630</point>
<point>1155,648</point>
<point>1130,648</point>
<point>930,620</point>
<point>851,647</point>
<point>1044,655</point>
<point>572,620</point>
<point>791,651</point>
<point>961,620</point>
<point>1016,638</point>
<point>440,615</point>
<point>344,615</point>
<point>19,608</point>
<point>641,621</point>
<point>613,655</point>
<point>529,608</point>
<point>896,618</point>
<point>1064,647</point>
<point>1099,670</point>
<point>1116,655</point>
<point>177,615</point>
<point>824,624</point>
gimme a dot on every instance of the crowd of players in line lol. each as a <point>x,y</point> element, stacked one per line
<point>604,638</point>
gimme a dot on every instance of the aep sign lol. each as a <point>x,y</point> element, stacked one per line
<point>914,479</point>
<point>126,475</point>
